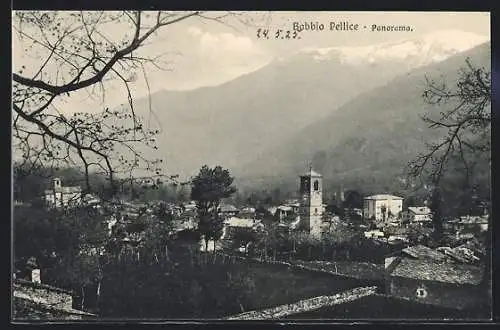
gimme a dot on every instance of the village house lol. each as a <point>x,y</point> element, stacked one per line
<point>380,208</point>
<point>374,234</point>
<point>421,215</point>
<point>284,211</point>
<point>61,196</point>
<point>421,274</point>
<point>247,212</point>
<point>466,227</point>
<point>248,209</point>
<point>472,223</point>
<point>295,205</point>
<point>228,210</point>
<point>231,226</point>
<point>234,224</point>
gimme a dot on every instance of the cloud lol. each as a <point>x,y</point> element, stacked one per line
<point>229,49</point>
<point>225,42</point>
<point>194,31</point>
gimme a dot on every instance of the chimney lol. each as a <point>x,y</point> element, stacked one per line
<point>35,276</point>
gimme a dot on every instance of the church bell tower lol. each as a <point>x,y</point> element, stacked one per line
<point>311,204</point>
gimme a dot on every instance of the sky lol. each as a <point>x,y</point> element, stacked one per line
<point>203,52</point>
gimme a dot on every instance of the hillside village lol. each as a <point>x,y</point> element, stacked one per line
<point>396,243</point>
<point>345,178</point>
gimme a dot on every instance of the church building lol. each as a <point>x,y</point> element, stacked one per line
<point>311,202</point>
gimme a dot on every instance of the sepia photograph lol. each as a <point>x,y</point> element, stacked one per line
<point>251,165</point>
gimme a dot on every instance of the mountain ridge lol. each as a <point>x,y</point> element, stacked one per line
<point>346,140</point>
<point>228,124</point>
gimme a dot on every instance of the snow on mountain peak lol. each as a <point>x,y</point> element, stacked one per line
<point>432,47</point>
<point>455,39</point>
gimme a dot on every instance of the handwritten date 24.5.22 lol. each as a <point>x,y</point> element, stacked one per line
<point>277,34</point>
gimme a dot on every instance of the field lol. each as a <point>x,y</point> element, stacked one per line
<point>381,307</point>
<point>277,284</point>
<point>212,290</point>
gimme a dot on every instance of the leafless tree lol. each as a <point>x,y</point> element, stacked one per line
<point>82,52</point>
<point>467,123</point>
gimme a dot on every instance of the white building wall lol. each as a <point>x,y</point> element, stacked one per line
<point>420,217</point>
<point>373,207</point>
<point>60,199</point>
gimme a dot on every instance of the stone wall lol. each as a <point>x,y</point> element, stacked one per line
<point>297,264</point>
<point>306,305</point>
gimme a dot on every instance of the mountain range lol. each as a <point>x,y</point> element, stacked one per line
<point>369,140</point>
<point>351,111</point>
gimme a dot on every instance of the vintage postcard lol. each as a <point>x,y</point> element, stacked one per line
<point>197,165</point>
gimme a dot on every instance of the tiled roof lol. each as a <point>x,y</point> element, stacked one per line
<point>438,271</point>
<point>228,208</point>
<point>383,197</point>
<point>424,252</point>
<point>239,222</point>
<point>312,173</point>
<point>460,254</point>
<point>473,220</point>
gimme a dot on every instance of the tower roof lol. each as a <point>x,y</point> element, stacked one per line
<point>383,197</point>
<point>312,173</point>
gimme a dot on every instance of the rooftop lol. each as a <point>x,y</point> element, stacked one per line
<point>239,222</point>
<point>383,197</point>
<point>473,219</point>
<point>424,253</point>
<point>312,173</point>
<point>228,208</point>
<point>438,271</point>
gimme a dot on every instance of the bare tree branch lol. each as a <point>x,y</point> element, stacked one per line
<point>467,122</point>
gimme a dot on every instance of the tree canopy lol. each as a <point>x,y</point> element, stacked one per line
<point>209,187</point>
